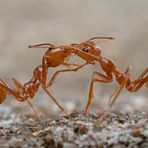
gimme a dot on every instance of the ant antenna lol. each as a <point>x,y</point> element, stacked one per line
<point>106,38</point>
<point>42,45</point>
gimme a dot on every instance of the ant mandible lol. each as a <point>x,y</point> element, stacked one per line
<point>53,57</point>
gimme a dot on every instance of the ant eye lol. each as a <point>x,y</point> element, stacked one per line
<point>85,49</point>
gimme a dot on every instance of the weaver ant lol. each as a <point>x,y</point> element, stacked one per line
<point>53,57</point>
<point>122,79</point>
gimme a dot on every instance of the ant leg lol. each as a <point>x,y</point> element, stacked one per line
<point>105,79</point>
<point>3,93</point>
<point>33,108</point>
<point>143,73</point>
<point>147,84</point>
<point>18,85</point>
<point>51,81</point>
<point>54,100</point>
<point>20,88</point>
<point>6,87</point>
<point>118,89</point>
<point>45,67</point>
<point>3,90</point>
<point>138,83</point>
<point>44,71</point>
<point>44,74</point>
<point>134,86</point>
<point>112,99</point>
<point>114,91</point>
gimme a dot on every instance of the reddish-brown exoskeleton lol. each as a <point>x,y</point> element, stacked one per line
<point>54,56</point>
<point>123,79</point>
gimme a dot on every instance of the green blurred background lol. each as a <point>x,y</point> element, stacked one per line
<point>62,22</point>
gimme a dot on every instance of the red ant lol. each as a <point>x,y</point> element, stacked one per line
<point>123,79</point>
<point>53,57</point>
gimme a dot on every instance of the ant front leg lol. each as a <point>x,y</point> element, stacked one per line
<point>52,80</point>
<point>105,79</point>
<point>43,84</point>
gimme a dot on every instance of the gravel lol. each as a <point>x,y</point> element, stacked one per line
<point>76,130</point>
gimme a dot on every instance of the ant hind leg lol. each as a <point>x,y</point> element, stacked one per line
<point>139,82</point>
<point>19,86</point>
<point>117,90</point>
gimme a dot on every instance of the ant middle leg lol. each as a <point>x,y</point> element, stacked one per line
<point>119,87</point>
<point>105,79</point>
<point>117,90</point>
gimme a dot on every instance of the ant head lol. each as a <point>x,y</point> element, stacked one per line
<point>87,50</point>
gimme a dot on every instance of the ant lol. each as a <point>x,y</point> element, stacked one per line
<point>53,57</point>
<point>122,79</point>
